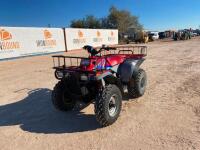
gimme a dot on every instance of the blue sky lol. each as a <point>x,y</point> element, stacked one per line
<point>153,14</point>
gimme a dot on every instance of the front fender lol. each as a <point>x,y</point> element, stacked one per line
<point>109,78</point>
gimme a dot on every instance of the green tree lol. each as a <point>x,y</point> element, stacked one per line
<point>77,23</point>
<point>88,22</point>
<point>122,20</point>
<point>92,22</point>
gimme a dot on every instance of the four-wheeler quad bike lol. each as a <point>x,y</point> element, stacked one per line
<point>101,78</point>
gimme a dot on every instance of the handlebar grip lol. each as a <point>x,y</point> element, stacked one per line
<point>110,48</point>
<point>114,48</point>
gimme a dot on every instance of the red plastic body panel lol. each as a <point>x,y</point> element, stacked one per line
<point>108,61</point>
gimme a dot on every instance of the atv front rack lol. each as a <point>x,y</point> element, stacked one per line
<point>61,61</point>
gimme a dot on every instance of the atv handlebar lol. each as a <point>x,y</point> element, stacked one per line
<point>94,52</point>
<point>106,48</point>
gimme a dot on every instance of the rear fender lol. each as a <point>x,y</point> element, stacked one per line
<point>128,68</point>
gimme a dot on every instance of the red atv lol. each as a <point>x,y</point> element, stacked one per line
<point>102,78</point>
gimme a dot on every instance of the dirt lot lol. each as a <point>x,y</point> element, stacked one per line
<point>166,117</point>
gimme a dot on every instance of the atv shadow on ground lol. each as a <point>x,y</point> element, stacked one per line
<point>35,113</point>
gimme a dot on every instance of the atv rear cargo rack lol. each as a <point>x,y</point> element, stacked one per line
<point>134,50</point>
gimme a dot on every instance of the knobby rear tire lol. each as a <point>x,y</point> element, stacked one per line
<point>137,85</point>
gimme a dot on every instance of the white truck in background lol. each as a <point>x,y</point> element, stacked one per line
<point>154,35</point>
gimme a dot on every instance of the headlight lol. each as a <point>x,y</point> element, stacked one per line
<point>83,77</point>
<point>85,62</point>
<point>59,74</point>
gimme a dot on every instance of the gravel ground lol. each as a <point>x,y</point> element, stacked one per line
<point>166,117</point>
